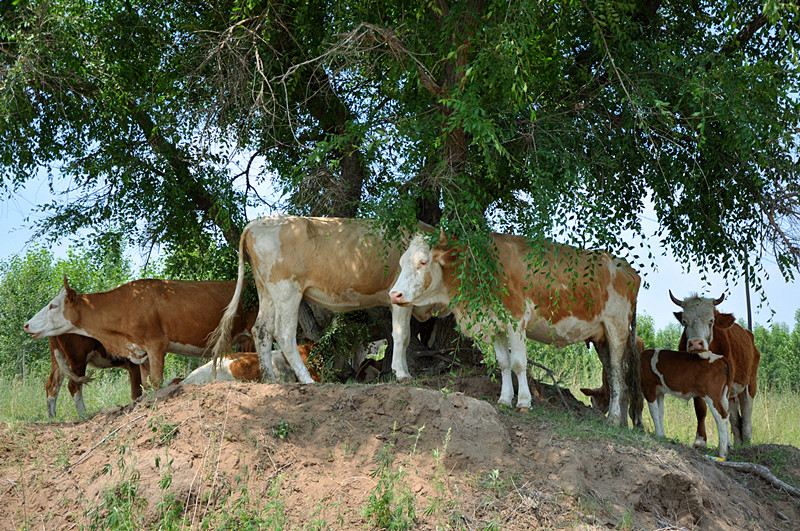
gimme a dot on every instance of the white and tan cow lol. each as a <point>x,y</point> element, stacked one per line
<point>244,367</point>
<point>144,319</point>
<point>338,263</point>
<point>704,329</point>
<point>70,356</point>
<point>564,296</point>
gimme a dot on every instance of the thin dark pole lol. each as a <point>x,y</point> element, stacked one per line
<point>747,295</point>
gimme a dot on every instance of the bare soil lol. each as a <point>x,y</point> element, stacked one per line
<point>309,455</point>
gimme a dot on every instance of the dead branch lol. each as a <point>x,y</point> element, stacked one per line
<point>552,376</point>
<point>762,471</point>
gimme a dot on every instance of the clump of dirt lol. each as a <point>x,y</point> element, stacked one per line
<point>318,456</point>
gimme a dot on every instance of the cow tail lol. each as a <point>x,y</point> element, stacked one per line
<point>634,380</point>
<point>66,371</point>
<point>221,336</point>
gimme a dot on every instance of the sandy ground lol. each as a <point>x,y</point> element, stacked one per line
<point>307,456</point>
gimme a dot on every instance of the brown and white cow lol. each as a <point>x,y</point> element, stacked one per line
<point>143,319</point>
<point>70,355</point>
<point>340,264</point>
<point>563,296</point>
<point>600,396</point>
<point>244,367</point>
<point>705,328</point>
<point>687,375</point>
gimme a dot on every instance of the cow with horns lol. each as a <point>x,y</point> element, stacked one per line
<point>706,329</point>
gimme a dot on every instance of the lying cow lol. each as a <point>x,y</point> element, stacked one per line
<point>339,264</point>
<point>687,375</point>
<point>565,296</point>
<point>706,329</point>
<point>70,355</point>
<point>244,367</point>
<point>144,319</point>
<point>600,396</point>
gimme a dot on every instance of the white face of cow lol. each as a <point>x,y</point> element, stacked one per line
<point>697,319</point>
<point>420,281</point>
<point>50,320</point>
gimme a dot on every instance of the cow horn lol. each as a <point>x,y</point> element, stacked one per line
<point>676,301</point>
<point>721,298</point>
<point>442,238</point>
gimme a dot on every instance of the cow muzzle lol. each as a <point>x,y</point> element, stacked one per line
<point>27,328</point>
<point>696,345</point>
<point>398,298</point>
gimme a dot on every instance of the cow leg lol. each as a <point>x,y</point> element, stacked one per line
<point>53,386</point>
<point>76,390</point>
<point>262,337</point>
<point>722,428</point>
<point>135,376</point>
<point>401,318</point>
<point>656,408</point>
<point>700,437</point>
<point>144,377</point>
<point>746,402</point>
<point>286,318</point>
<point>503,357</point>
<point>519,365</point>
<point>618,401</point>
<point>736,419</point>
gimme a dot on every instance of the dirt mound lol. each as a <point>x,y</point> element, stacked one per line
<point>313,457</point>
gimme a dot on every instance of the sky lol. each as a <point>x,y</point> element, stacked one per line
<point>783,298</point>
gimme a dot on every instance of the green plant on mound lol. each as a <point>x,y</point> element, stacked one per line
<point>345,333</point>
<point>391,502</point>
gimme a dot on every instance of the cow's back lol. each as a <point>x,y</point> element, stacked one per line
<point>185,311</point>
<point>341,264</point>
<point>568,284</point>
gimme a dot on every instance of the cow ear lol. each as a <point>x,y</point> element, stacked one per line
<point>444,257</point>
<point>71,293</point>
<point>724,320</point>
<point>590,392</point>
<point>679,316</point>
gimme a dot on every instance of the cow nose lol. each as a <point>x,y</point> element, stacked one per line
<point>696,345</point>
<point>26,326</point>
<point>396,297</point>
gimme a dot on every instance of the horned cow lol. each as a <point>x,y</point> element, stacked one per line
<point>706,329</point>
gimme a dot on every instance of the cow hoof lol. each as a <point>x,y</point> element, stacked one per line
<point>522,409</point>
<point>699,442</point>
<point>504,404</point>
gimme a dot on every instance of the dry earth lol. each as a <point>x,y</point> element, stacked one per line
<point>237,453</point>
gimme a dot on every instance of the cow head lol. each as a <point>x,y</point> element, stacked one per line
<point>54,318</point>
<point>698,317</point>
<point>421,280</point>
<point>599,397</point>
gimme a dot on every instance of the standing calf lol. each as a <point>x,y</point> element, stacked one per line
<point>687,376</point>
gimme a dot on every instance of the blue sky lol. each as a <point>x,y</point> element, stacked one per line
<point>783,298</point>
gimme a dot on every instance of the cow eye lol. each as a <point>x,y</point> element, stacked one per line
<point>423,263</point>
<point>52,306</point>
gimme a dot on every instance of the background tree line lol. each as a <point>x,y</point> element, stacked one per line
<point>28,282</point>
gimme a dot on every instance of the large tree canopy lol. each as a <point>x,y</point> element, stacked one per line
<point>555,119</point>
